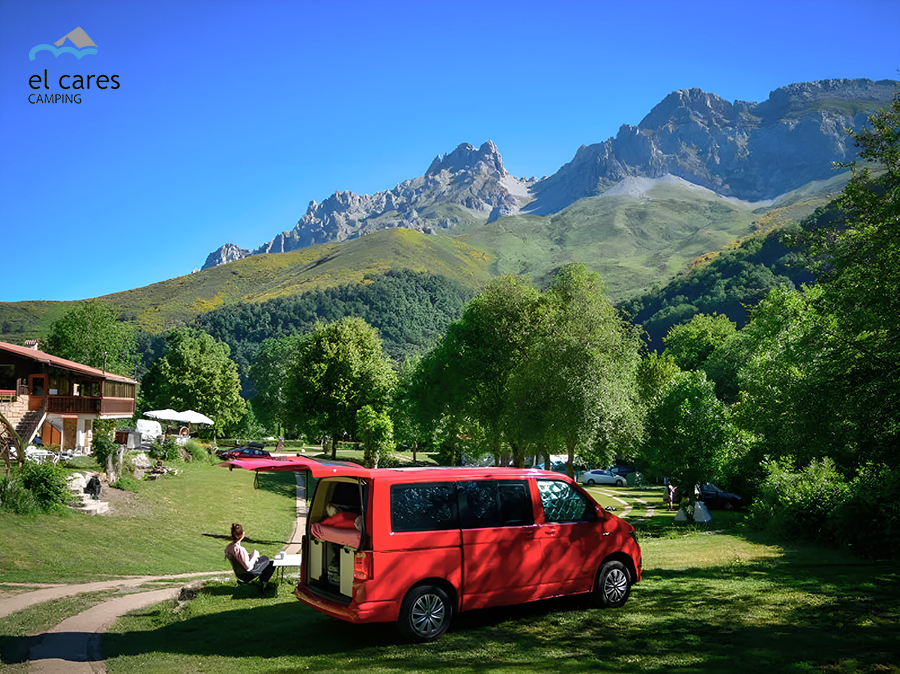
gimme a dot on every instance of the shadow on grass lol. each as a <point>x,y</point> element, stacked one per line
<point>839,617</point>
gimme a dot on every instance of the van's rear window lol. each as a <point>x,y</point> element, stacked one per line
<point>424,507</point>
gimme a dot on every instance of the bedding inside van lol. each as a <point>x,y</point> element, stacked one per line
<point>342,528</point>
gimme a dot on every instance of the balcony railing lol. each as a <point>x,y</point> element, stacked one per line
<point>89,405</point>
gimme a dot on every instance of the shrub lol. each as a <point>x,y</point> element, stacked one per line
<point>198,451</point>
<point>103,445</point>
<point>166,450</point>
<point>15,498</point>
<point>800,504</point>
<point>874,498</point>
<point>47,483</point>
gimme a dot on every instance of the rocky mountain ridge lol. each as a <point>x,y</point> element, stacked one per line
<point>749,151</point>
<point>466,185</point>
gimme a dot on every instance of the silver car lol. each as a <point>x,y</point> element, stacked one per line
<point>600,476</point>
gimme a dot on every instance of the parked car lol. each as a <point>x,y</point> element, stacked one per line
<point>622,471</point>
<point>563,469</point>
<point>416,546</point>
<point>253,450</point>
<point>714,497</point>
<point>600,476</point>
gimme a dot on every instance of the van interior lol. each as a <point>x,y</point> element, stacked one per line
<point>337,529</point>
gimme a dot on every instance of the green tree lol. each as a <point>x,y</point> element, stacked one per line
<point>579,370</point>
<point>690,437</point>
<point>270,374</point>
<point>196,373</point>
<point>860,278</point>
<point>90,334</point>
<point>481,352</point>
<point>691,343</point>
<point>340,367</point>
<point>376,431</point>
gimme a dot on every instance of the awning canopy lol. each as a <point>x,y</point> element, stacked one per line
<point>187,417</point>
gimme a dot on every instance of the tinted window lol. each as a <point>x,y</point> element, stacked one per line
<point>515,504</point>
<point>562,503</point>
<point>489,503</point>
<point>424,507</point>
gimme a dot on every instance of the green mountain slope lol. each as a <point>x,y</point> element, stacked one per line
<point>636,242</point>
<point>160,306</point>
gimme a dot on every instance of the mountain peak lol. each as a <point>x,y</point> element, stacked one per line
<point>466,157</point>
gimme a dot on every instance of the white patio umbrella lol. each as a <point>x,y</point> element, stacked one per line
<point>192,417</point>
<point>165,415</point>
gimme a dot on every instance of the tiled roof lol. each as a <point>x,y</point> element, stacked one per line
<point>55,361</point>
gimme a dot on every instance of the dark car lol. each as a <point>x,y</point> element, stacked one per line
<point>714,497</point>
<point>253,450</point>
<point>622,471</point>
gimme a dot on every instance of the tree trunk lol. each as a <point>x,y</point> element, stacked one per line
<point>570,445</point>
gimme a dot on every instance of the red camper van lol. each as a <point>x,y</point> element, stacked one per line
<point>417,545</point>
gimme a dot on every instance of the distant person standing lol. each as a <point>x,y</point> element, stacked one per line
<point>670,496</point>
<point>247,567</point>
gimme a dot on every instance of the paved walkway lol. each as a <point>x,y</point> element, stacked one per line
<point>73,646</point>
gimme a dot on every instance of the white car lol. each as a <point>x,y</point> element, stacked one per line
<point>600,476</point>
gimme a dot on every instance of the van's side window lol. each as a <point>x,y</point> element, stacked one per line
<point>489,503</point>
<point>515,504</point>
<point>424,507</point>
<point>562,503</point>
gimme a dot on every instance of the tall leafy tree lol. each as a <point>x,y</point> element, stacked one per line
<point>481,352</point>
<point>823,377</point>
<point>270,374</point>
<point>196,373</point>
<point>579,370</point>
<point>690,437</point>
<point>90,334</point>
<point>691,343</point>
<point>340,367</point>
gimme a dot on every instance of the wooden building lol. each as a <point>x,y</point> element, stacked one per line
<point>58,400</point>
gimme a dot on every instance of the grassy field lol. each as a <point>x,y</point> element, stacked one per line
<point>714,598</point>
<point>177,524</point>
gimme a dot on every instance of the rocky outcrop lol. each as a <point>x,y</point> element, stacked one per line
<point>752,151</point>
<point>227,253</point>
<point>467,185</point>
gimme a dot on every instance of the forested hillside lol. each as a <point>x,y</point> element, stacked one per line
<point>729,282</point>
<point>410,309</point>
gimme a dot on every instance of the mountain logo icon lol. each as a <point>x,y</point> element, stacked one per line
<point>84,45</point>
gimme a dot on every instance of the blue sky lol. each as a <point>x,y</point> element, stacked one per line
<point>232,115</point>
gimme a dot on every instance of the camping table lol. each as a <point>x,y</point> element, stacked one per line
<point>282,560</point>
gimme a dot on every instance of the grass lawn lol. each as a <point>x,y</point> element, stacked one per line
<point>714,598</point>
<point>176,524</point>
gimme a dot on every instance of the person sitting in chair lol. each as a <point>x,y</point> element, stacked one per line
<point>247,567</point>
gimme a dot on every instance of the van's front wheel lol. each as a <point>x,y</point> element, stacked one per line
<point>613,585</point>
<point>425,613</point>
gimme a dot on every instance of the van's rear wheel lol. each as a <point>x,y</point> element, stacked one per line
<point>613,585</point>
<point>425,613</point>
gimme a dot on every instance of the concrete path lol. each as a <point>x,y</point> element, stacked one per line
<point>73,646</point>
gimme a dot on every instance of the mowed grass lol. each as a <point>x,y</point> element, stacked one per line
<point>176,524</point>
<point>714,598</point>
